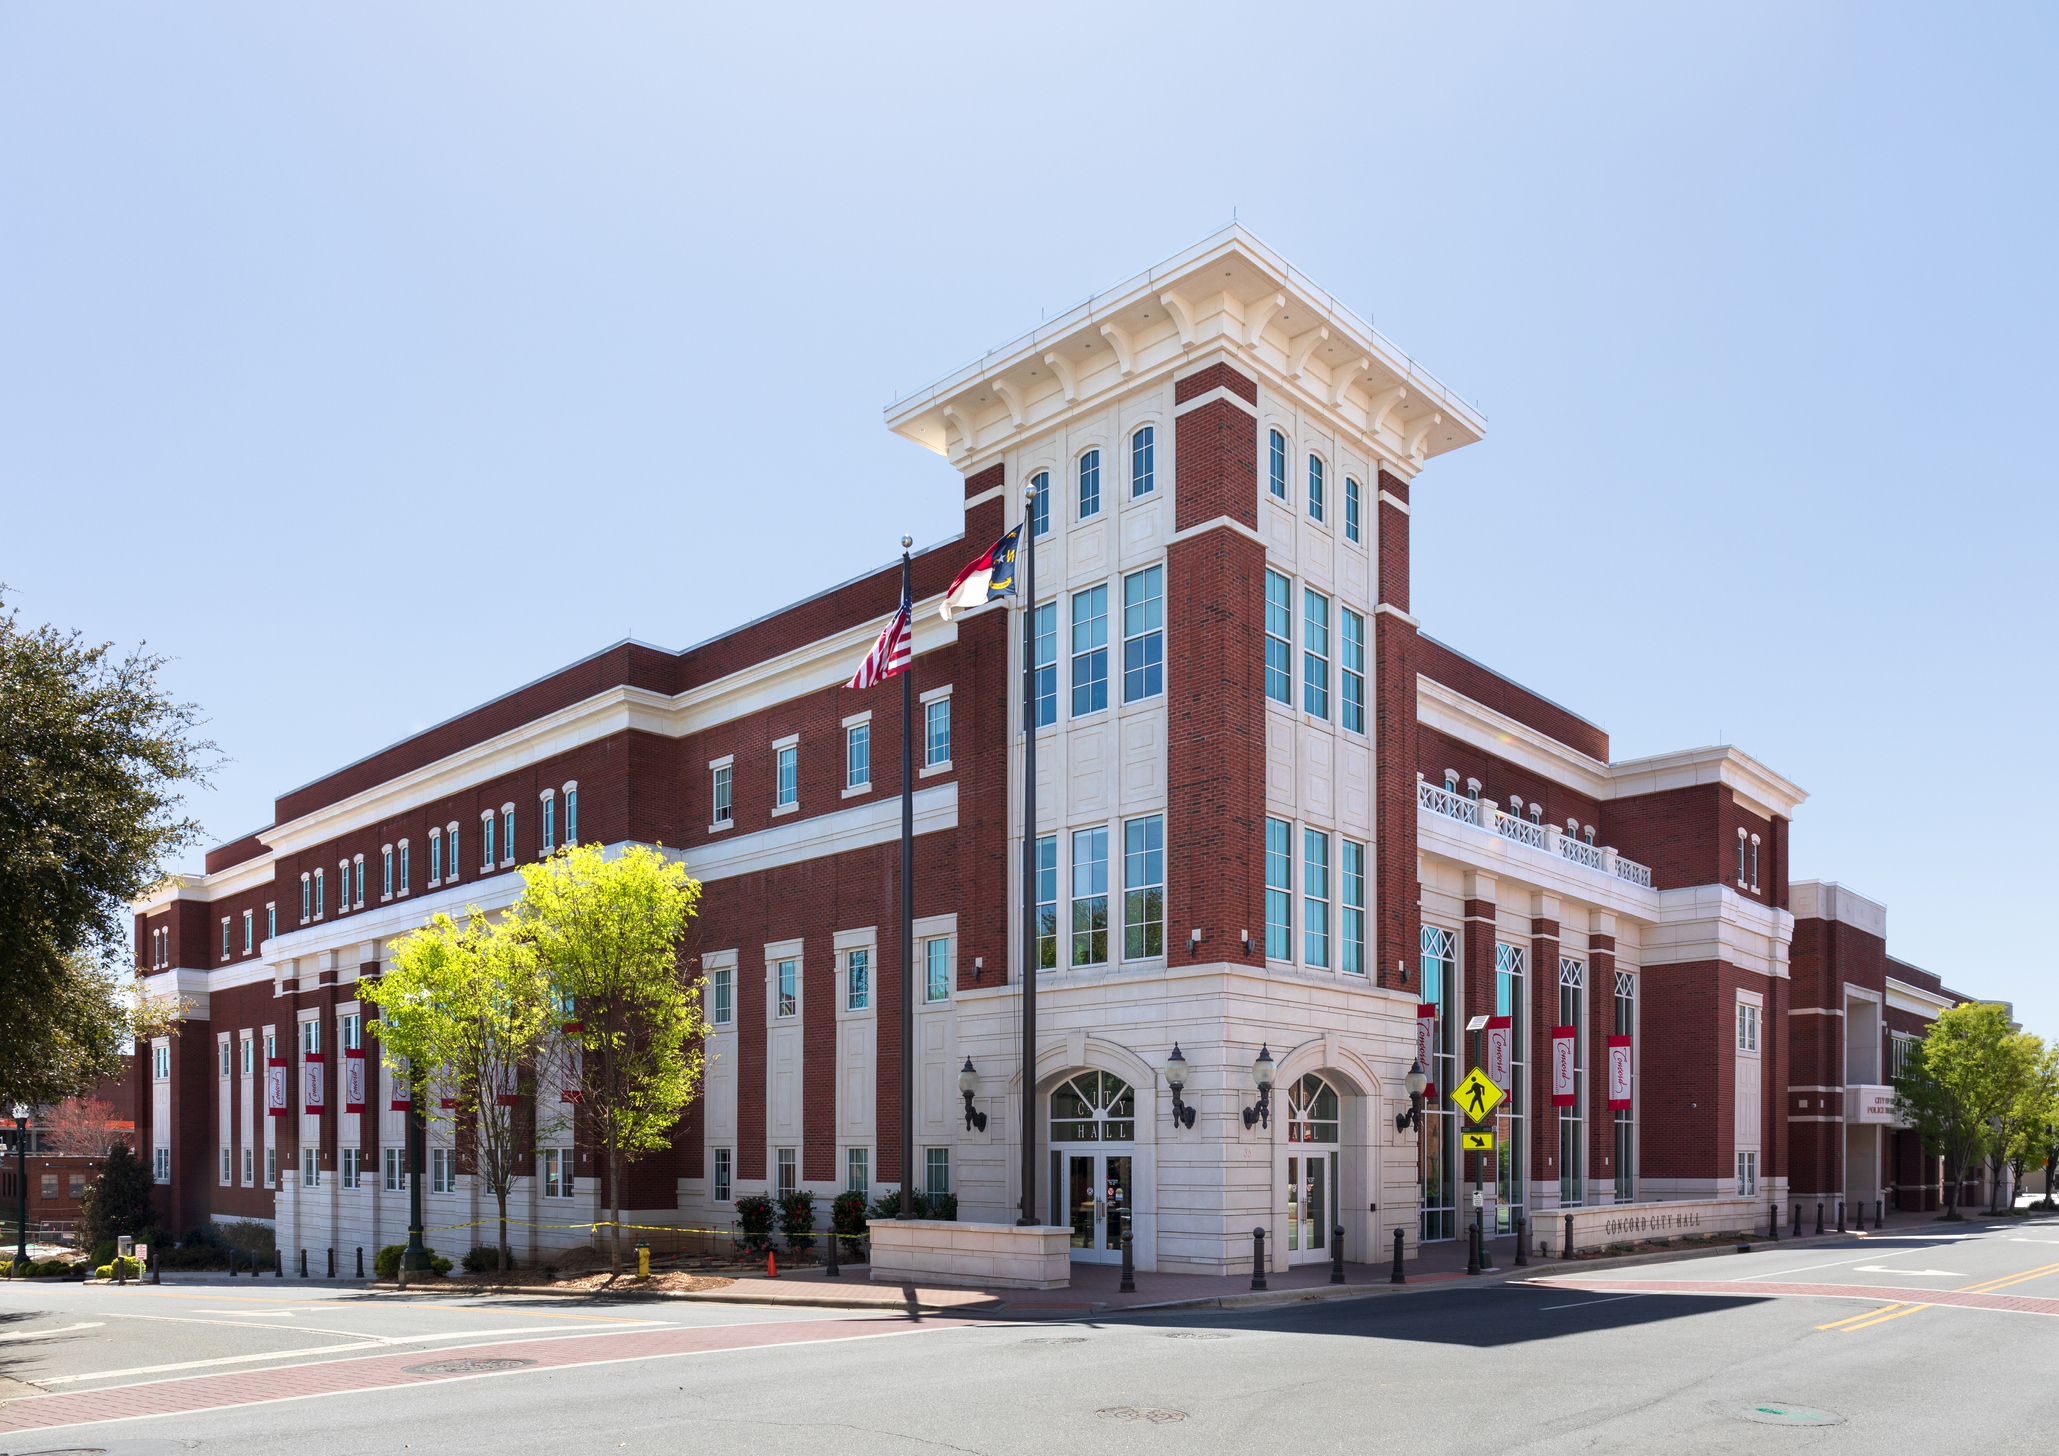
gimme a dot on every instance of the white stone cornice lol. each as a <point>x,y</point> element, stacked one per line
<point>1220,392</point>
<point>1219,523</point>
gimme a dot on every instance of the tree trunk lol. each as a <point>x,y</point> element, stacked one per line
<point>500,1191</point>
<point>615,1202</point>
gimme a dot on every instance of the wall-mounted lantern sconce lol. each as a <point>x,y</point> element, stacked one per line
<point>1245,936</point>
<point>1415,1082</point>
<point>979,964</point>
<point>1262,1074</point>
<point>1176,1078</point>
<point>1194,941</point>
<point>968,1083</point>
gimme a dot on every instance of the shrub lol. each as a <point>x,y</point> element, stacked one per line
<point>386,1263</point>
<point>754,1212</point>
<point>246,1234</point>
<point>481,1257</point>
<point>927,1205</point>
<point>103,1252</point>
<point>118,1269</point>
<point>847,1217</point>
<point>117,1199</point>
<point>797,1219</point>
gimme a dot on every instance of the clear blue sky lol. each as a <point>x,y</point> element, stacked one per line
<point>370,360</point>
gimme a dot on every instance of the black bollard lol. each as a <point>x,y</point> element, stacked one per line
<point>1397,1277</point>
<point>830,1270</point>
<point>360,1261</point>
<point>1819,1218</point>
<point>1473,1248</point>
<point>1566,1250</point>
<point>156,1278</point>
<point>1337,1254</point>
<point>1258,1257</point>
<point>1522,1243</point>
<point>1876,1215</point>
<point>1840,1215</point>
<point>278,1264</point>
<point>303,1263</point>
<point>1773,1222</point>
<point>1795,1228</point>
<point>332,1264</point>
<point>1129,1263</point>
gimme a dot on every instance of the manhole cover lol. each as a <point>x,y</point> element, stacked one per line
<point>1140,1413</point>
<point>1779,1413</point>
<point>69,1451</point>
<point>465,1367</point>
<point>1059,1340</point>
<point>1195,1335</point>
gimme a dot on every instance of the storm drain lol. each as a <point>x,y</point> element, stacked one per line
<point>1195,1335</point>
<point>465,1367</point>
<point>1058,1340</point>
<point>1779,1413</point>
<point>1152,1414</point>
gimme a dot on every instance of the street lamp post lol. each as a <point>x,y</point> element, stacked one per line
<point>415,1257</point>
<point>21,1166</point>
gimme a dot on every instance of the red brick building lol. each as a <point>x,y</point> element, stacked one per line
<point>1272,814</point>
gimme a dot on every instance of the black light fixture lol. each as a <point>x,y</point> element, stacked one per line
<point>968,1083</point>
<point>1416,1082</point>
<point>1262,1074</point>
<point>1176,1078</point>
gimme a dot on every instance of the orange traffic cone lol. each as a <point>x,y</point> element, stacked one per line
<point>771,1265</point>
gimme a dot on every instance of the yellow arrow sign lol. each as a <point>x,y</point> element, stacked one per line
<point>1476,1142</point>
<point>1477,1096</point>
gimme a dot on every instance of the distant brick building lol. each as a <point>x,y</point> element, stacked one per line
<point>1272,813</point>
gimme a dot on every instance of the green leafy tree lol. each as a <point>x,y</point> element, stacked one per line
<point>607,933</point>
<point>1967,1072</point>
<point>117,1200</point>
<point>469,1001</point>
<point>93,755</point>
<point>2027,1125</point>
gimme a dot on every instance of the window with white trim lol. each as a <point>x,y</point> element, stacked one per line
<point>937,1171</point>
<point>1740,859</point>
<point>1747,1027</point>
<point>787,784</point>
<point>1090,897</point>
<point>560,1176</point>
<point>161,1063</point>
<point>858,980</point>
<point>436,856</point>
<point>787,977</point>
<point>1755,862</point>
<point>1350,509</point>
<point>722,803</point>
<point>1143,634</point>
<point>936,733</point>
<point>249,1169</point>
<point>858,1170</point>
<point>244,1056</point>
<point>1747,1174</point>
<point>1351,670</point>
<point>396,1171</point>
<point>386,872</point>
<point>1279,635</point>
<point>721,1179</point>
<point>1044,676</point>
<point>224,1173</point>
<point>787,1171</point>
<point>936,969</point>
<point>1277,463</point>
<point>1047,902</point>
<point>161,1165</point>
<point>486,840</point>
<point>271,1167</point>
<point>547,811</point>
<point>722,996</point>
<point>358,864</point>
<point>320,896</point>
<point>1143,887</point>
<point>1315,487</point>
<point>1090,484</point>
<point>353,1160</point>
<point>1351,919</point>
<point>450,832</point>
<point>1279,890</point>
<point>443,1170</point>
<point>1143,455</point>
<point>1315,898</point>
<point>858,756</point>
<point>507,835</point>
<point>310,1167</point>
<point>1089,650</point>
<point>225,937</point>
<point>1315,654</point>
<point>1040,503</point>
<point>572,813</point>
<point>249,931</point>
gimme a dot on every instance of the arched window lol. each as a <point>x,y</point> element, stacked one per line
<point>1589,832</point>
<point>1090,484</point>
<point>1142,456</point>
<point>1278,465</point>
<point>1315,487</point>
<point>1451,781</point>
<point>1537,813</point>
<point>1040,504</point>
<point>1350,509</point>
<point>1094,1107</point>
<point>1311,1111</point>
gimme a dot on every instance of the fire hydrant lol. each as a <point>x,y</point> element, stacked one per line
<point>643,1258</point>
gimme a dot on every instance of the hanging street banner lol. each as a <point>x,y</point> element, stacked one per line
<point>1476,1096</point>
<point>1500,1052</point>
<point>313,1084</point>
<point>275,1087</point>
<point>354,1080</point>
<point>1562,1073</point>
<point>1426,1026</point>
<point>1619,1072</point>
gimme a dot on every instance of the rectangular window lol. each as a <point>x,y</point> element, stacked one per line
<point>1279,633</point>
<point>1089,650</point>
<point>787,975</point>
<point>1276,462</point>
<point>1090,897</point>
<point>244,1056</point>
<point>249,1169</point>
<point>1351,670</point>
<point>350,1031</point>
<point>360,882</point>
<point>507,836</point>
<point>454,860</point>
<point>310,1037</point>
<point>1350,509</point>
<point>320,896</point>
<point>271,922</point>
<point>160,1167</point>
<point>443,1170</point>
<point>722,1157</point>
<point>1747,1027</point>
<point>1315,892</point>
<point>223,1048</point>
<point>311,1167</point>
<point>1047,902</point>
<point>386,874</point>
<point>395,1171</point>
<point>858,755</point>
<point>1315,654</point>
<point>436,858</point>
<point>249,931</point>
<point>1351,921</point>
<point>353,1166</point>
<point>1141,462</point>
<point>937,1165</point>
<point>789,780</point>
<point>486,844</point>
<point>1040,504</point>
<point>560,1173</point>
<point>1279,890</point>
<point>858,980</point>
<point>1143,887</point>
<point>936,733</point>
<point>271,1166</point>
<point>1044,680</point>
<point>1755,863</point>
<point>550,822</point>
<point>572,816</point>
<point>1747,1175</point>
<point>162,1060</point>
<point>722,809</point>
<point>49,1186</point>
<point>789,1172</point>
<point>1143,634</point>
<point>1090,484</point>
<point>225,937</point>
<point>224,1174</point>
<point>306,897</point>
<point>1315,488</point>
<point>858,1170</point>
<point>936,969</point>
<point>722,991</point>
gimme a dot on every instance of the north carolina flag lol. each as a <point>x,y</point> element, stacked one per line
<point>984,578</point>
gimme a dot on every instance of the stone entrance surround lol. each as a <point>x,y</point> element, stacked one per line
<point>971,1255</point>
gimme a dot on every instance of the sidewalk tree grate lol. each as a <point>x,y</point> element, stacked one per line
<point>1779,1413</point>
<point>1154,1415</point>
<point>465,1367</point>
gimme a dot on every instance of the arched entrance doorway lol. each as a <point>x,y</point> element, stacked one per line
<point>1093,1128</point>
<point>1312,1138</point>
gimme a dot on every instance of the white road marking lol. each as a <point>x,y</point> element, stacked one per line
<point>1915,1273</point>
<point>1612,1299</point>
<point>369,1343</point>
<point>60,1330</point>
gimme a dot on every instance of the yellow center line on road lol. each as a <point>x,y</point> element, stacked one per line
<point>1881,1319</point>
<point>1855,1318</point>
<point>1989,1286</point>
<point>1896,1311</point>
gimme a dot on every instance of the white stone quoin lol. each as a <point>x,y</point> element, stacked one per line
<point>971,1255</point>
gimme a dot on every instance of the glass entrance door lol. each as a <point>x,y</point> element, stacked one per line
<point>1093,1194</point>
<point>1311,1206</point>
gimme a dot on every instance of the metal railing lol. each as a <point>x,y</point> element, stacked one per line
<point>1448,802</point>
<point>1455,805</point>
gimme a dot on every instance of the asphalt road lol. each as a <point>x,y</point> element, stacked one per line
<point>1712,1355</point>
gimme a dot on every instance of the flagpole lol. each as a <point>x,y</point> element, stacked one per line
<point>1029,859</point>
<point>908,903</point>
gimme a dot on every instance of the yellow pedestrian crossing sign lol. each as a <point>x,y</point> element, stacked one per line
<point>1481,1141</point>
<point>1477,1096</point>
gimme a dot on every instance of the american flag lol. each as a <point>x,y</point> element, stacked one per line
<point>894,650</point>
